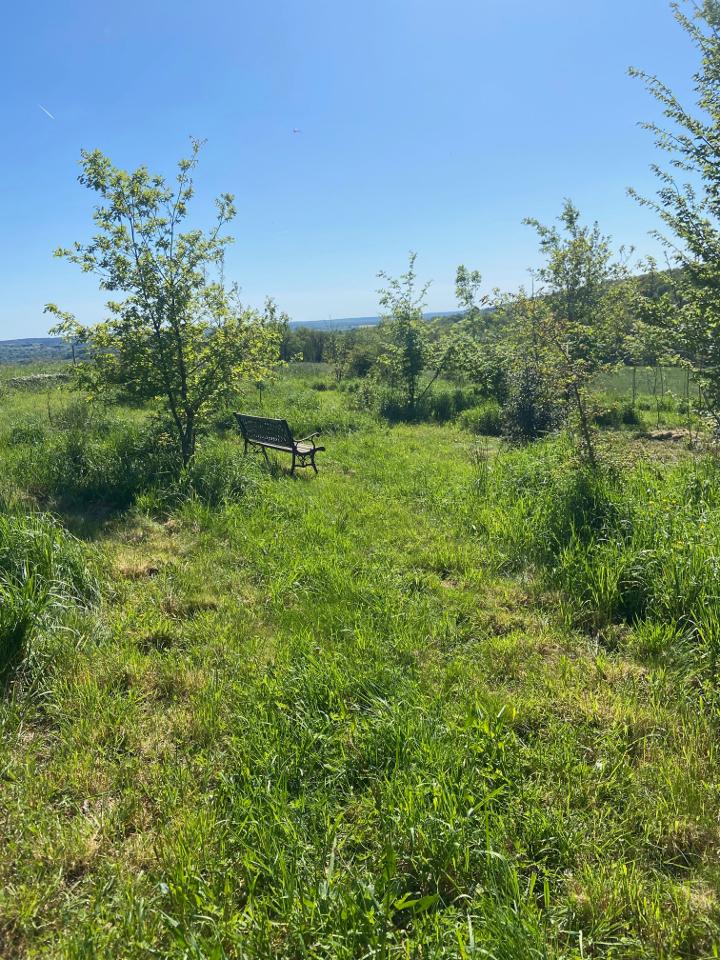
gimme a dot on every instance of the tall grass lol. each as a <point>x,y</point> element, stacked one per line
<point>90,461</point>
<point>43,572</point>
<point>625,544</point>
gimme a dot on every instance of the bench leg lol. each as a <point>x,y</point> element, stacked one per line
<point>267,460</point>
<point>312,463</point>
<point>292,468</point>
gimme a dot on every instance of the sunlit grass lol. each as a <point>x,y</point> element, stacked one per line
<point>395,710</point>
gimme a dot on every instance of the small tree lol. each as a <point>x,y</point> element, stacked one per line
<point>480,347</point>
<point>534,404</point>
<point>339,348</point>
<point>178,336</point>
<point>580,329</point>
<point>414,355</point>
<point>691,210</point>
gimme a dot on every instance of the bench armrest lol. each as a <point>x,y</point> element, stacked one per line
<point>303,439</point>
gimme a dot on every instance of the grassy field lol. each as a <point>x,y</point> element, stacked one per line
<point>649,381</point>
<point>407,708</point>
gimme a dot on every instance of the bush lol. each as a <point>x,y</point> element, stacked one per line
<point>440,407</point>
<point>485,419</point>
<point>362,358</point>
<point>30,432</point>
<point>629,415</point>
<point>491,377</point>
<point>390,406</point>
<point>464,399</point>
<point>616,415</point>
<point>129,464</point>
<point>529,411</point>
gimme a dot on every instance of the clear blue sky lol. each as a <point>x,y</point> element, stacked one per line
<point>426,125</point>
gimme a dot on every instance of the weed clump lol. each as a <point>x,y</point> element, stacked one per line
<point>44,571</point>
<point>485,419</point>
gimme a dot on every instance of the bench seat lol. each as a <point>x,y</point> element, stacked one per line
<point>269,433</point>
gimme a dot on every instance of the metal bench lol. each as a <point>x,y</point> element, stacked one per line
<point>270,434</point>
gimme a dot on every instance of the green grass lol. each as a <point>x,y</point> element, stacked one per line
<point>649,381</point>
<point>365,714</point>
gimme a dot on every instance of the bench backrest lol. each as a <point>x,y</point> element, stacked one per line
<point>265,430</point>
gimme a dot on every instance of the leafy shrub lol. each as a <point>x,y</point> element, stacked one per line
<point>667,403</point>
<point>390,406</point>
<point>485,419</point>
<point>529,411</point>
<point>491,376</point>
<point>362,358</point>
<point>440,406</point>
<point>444,405</point>
<point>464,399</point>
<point>629,415</point>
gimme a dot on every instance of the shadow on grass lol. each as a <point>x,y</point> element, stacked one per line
<point>12,649</point>
<point>86,521</point>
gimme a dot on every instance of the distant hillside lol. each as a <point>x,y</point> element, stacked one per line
<point>349,323</point>
<point>32,349</point>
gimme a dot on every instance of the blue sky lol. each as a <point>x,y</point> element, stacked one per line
<point>433,126</point>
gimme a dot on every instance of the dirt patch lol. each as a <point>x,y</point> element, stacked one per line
<point>674,434</point>
<point>137,571</point>
<point>157,640</point>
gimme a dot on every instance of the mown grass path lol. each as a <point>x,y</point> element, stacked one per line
<point>314,724</point>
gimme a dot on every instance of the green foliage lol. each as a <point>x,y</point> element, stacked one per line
<point>441,406</point>
<point>688,312</point>
<point>106,464</point>
<point>218,474</point>
<point>624,545</point>
<point>531,410</point>
<point>610,413</point>
<point>480,353</point>
<point>579,326</point>
<point>177,336</point>
<point>413,356</point>
<point>484,419</point>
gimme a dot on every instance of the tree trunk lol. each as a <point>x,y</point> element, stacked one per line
<point>585,429</point>
<point>187,440</point>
